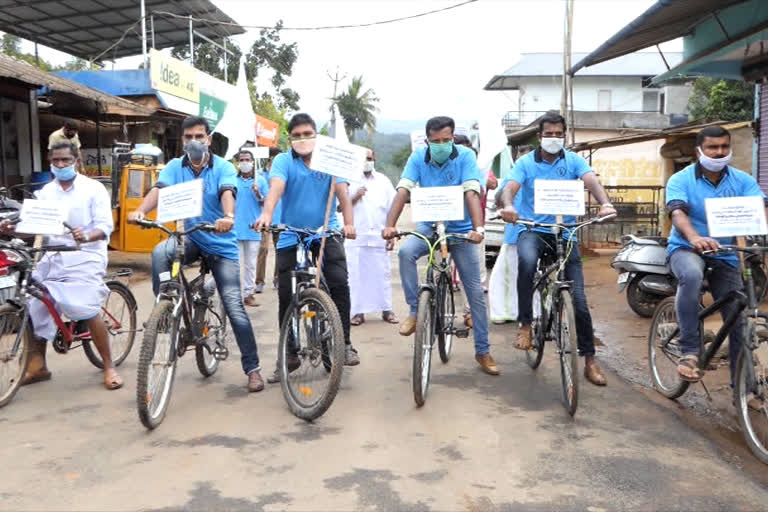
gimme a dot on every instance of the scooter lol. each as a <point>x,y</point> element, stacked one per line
<point>643,271</point>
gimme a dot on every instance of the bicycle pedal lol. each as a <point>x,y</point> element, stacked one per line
<point>220,353</point>
<point>462,333</point>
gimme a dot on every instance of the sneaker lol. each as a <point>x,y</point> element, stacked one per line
<point>259,288</point>
<point>293,363</point>
<point>408,327</point>
<point>350,356</point>
<point>255,384</point>
<point>487,363</point>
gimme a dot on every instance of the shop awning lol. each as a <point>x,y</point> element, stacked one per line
<point>108,29</point>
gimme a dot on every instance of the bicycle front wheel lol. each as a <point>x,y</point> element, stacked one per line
<point>664,351</point>
<point>752,394</point>
<point>311,354</point>
<point>538,333</point>
<point>119,315</point>
<point>422,347</point>
<point>15,339</point>
<point>446,313</point>
<point>157,364</point>
<point>569,355</point>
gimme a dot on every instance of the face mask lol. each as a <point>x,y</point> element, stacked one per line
<point>246,167</point>
<point>714,164</point>
<point>552,145</point>
<point>196,150</point>
<point>368,166</point>
<point>440,152</point>
<point>65,173</point>
<point>303,147</point>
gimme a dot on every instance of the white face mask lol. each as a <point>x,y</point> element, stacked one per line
<point>368,166</point>
<point>246,167</point>
<point>714,164</point>
<point>552,145</point>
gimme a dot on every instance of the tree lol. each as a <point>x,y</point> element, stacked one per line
<point>358,108</point>
<point>10,45</point>
<point>400,158</point>
<point>268,53</point>
<point>210,59</point>
<point>721,100</point>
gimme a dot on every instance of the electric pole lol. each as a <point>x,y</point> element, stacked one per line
<point>335,79</point>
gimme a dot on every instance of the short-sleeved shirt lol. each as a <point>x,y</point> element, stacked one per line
<point>248,206</point>
<point>532,167</point>
<point>218,176</point>
<point>510,230</point>
<point>460,168</point>
<point>58,136</point>
<point>688,190</point>
<point>277,213</point>
<point>305,196</point>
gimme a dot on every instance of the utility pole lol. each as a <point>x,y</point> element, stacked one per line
<point>335,79</point>
<point>568,79</point>
<point>144,34</point>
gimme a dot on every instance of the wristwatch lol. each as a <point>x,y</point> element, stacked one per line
<point>606,205</point>
<point>480,230</point>
<point>229,215</point>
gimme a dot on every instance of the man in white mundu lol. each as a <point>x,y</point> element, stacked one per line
<point>370,282</point>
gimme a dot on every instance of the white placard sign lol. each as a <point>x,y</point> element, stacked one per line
<point>338,158</point>
<point>182,201</point>
<point>418,140</point>
<point>42,217</point>
<point>433,204</point>
<point>735,216</point>
<point>558,197</point>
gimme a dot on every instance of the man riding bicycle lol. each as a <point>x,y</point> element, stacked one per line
<point>219,249</point>
<point>551,162</point>
<point>443,163</point>
<point>686,194</point>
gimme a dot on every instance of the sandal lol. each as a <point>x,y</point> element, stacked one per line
<point>357,320</point>
<point>468,321</point>
<point>688,369</point>
<point>112,380</point>
<point>390,317</point>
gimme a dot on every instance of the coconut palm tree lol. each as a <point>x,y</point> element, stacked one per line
<point>358,108</point>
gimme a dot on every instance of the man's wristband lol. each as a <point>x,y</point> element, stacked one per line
<point>606,205</point>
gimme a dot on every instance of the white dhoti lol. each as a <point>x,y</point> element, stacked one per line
<point>502,287</point>
<point>76,285</point>
<point>370,279</point>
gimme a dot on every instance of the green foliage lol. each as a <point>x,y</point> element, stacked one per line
<point>10,45</point>
<point>210,59</point>
<point>400,158</point>
<point>268,52</point>
<point>721,100</point>
<point>358,108</point>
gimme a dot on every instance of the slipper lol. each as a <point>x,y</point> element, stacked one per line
<point>390,317</point>
<point>357,320</point>
<point>112,380</point>
<point>37,377</point>
<point>690,363</point>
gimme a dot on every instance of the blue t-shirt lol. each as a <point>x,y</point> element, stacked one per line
<point>689,189</point>
<point>458,169</point>
<point>219,175</point>
<point>305,196</point>
<point>277,213</point>
<point>248,207</point>
<point>510,230</point>
<point>532,167</point>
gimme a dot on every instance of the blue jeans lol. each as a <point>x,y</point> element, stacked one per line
<point>530,247</point>
<point>226,273</point>
<point>688,269</point>
<point>466,257</point>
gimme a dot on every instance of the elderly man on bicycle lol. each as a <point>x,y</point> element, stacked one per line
<point>74,279</point>
<point>551,162</point>
<point>443,163</point>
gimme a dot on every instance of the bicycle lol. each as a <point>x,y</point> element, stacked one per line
<point>436,310</point>
<point>18,286</point>
<point>310,352</point>
<point>553,312</point>
<point>186,314</point>
<point>751,377</point>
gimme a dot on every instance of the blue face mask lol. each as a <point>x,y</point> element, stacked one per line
<point>440,152</point>
<point>65,173</point>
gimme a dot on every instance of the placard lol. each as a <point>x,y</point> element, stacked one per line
<point>338,158</point>
<point>43,217</point>
<point>735,216</point>
<point>418,140</point>
<point>182,201</point>
<point>558,197</point>
<point>434,204</point>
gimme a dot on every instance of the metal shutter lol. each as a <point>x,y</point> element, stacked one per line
<point>762,146</point>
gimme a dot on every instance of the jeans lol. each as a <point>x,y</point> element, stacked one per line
<point>466,257</point>
<point>249,254</point>
<point>530,247</point>
<point>688,269</point>
<point>226,273</point>
<point>334,273</point>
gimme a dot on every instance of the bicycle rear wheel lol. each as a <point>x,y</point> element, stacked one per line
<point>311,354</point>
<point>538,334</point>
<point>15,339</point>
<point>567,348</point>
<point>119,313</point>
<point>422,347</point>
<point>214,334</point>
<point>663,355</point>
<point>157,364</point>
<point>446,315</point>
<point>753,387</point>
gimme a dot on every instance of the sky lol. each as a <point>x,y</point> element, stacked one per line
<point>432,65</point>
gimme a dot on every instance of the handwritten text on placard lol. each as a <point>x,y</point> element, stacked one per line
<point>558,197</point>
<point>735,216</point>
<point>182,201</point>
<point>338,158</point>
<point>433,204</point>
<point>42,217</point>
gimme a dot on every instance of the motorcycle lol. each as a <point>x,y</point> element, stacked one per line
<point>644,273</point>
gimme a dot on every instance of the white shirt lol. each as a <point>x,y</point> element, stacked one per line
<point>371,211</point>
<point>89,208</point>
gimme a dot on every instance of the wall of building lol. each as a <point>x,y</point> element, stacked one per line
<point>676,99</point>
<point>543,93</point>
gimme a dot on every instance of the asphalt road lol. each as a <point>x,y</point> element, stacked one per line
<point>480,443</point>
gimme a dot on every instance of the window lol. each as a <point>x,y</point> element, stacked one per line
<point>650,101</point>
<point>135,190</point>
<point>661,103</point>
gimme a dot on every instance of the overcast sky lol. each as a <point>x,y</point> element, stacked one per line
<point>431,65</point>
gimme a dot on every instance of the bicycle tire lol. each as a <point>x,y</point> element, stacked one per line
<point>747,416</point>
<point>207,364</point>
<point>160,321</point>
<point>122,291</point>
<point>336,355</point>
<point>568,352</point>
<point>422,347</point>
<point>24,335</point>
<point>664,319</point>
<point>533,357</point>
<point>446,309</point>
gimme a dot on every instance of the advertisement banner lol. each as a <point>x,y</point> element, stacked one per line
<point>267,132</point>
<point>173,76</point>
<point>212,109</point>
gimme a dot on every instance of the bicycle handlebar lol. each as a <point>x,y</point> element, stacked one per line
<point>203,226</point>
<point>280,228</point>
<point>457,236</point>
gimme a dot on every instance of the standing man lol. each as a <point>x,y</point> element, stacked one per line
<point>303,194</point>
<point>268,238</point>
<point>370,275</point>
<point>551,162</point>
<point>443,163</point>
<point>67,133</point>
<point>251,191</point>
<point>219,249</point>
